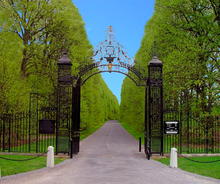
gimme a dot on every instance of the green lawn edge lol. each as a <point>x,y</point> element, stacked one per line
<point>16,167</point>
<point>205,169</point>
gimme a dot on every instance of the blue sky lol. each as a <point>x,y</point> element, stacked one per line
<point>127,17</point>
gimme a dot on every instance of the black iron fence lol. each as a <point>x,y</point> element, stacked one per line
<point>197,133</point>
<point>19,132</point>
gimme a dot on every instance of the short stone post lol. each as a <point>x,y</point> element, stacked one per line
<point>173,158</point>
<point>50,156</point>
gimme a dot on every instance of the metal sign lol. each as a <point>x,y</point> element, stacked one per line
<point>46,126</point>
<point>171,127</point>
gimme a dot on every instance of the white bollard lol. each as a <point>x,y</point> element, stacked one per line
<point>173,158</point>
<point>50,156</point>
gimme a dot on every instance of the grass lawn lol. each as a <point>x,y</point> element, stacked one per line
<point>205,169</point>
<point>15,167</point>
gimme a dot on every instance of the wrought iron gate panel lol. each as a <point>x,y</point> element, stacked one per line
<point>63,120</point>
<point>19,132</point>
<point>75,131</point>
<point>45,140</point>
<point>156,126</point>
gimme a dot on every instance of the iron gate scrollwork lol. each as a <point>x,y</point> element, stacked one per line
<point>110,56</point>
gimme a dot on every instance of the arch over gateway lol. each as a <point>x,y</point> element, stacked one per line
<point>110,56</point>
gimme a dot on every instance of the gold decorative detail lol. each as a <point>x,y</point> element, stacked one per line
<point>110,67</point>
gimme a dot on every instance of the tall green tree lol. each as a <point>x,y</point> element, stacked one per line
<point>34,35</point>
<point>185,34</point>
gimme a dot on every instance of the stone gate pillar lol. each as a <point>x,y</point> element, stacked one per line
<point>155,106</point>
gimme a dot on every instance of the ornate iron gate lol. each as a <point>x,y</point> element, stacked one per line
<point>110,56</point>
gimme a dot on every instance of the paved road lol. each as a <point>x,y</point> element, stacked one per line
<point>108,156</point>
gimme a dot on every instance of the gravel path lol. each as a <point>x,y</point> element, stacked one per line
<point>110,155</point>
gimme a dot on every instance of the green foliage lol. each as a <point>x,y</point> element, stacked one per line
<point>13,91</point>
<point>187,42</point>
<point>132,105</point>
<point>185,36</point>
<point>98,104</point>
<point>33,36</point>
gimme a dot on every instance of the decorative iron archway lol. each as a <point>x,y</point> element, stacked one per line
<point>109,56</point>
